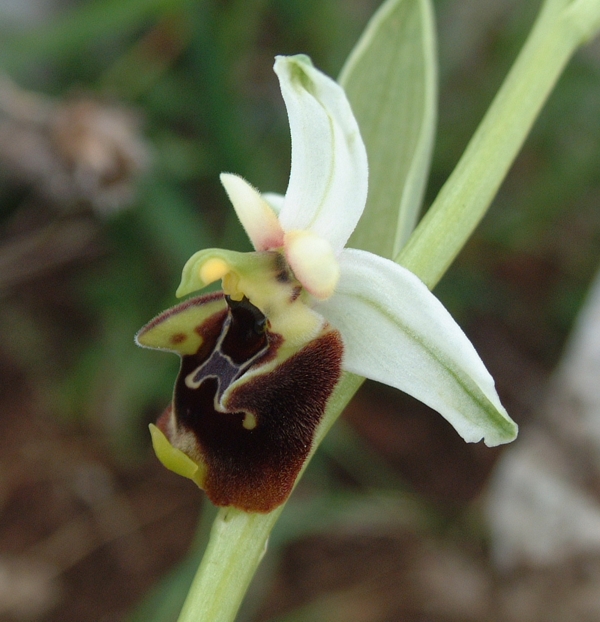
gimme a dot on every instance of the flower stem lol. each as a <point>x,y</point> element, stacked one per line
<point>470,189</point>
<point>238,540</point>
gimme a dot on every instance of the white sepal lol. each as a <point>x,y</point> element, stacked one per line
<point>327,190</point>
<point>397,332</point>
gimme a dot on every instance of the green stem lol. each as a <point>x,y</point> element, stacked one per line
<point>238,540</point>
<point>470,189</point>
<point>237,543</point>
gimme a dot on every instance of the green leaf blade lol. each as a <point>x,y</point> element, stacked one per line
<point>390,79</point>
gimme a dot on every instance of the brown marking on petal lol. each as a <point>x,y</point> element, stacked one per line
<point>255,469</point>
<point>178,338</point>
<point>296,293</point>
<point>282,271</point>
<point>280,262</point>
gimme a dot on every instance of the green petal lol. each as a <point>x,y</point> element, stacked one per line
<point>211,264</point>
<point>397,332</point>
<point>390,79</point>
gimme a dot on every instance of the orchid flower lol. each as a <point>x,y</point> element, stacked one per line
<point>260,359</point>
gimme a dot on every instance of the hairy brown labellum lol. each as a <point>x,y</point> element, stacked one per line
<point>241,409</point>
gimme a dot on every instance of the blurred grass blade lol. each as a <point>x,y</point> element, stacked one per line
<point>177,228</point>
<point>390,79</point>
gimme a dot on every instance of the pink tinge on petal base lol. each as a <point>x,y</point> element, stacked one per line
<point>257,217</point>
<point>313,262</point>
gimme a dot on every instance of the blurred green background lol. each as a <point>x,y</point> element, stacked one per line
<point>116,118</point>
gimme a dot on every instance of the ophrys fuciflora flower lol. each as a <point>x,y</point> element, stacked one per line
<point>261,358</point>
